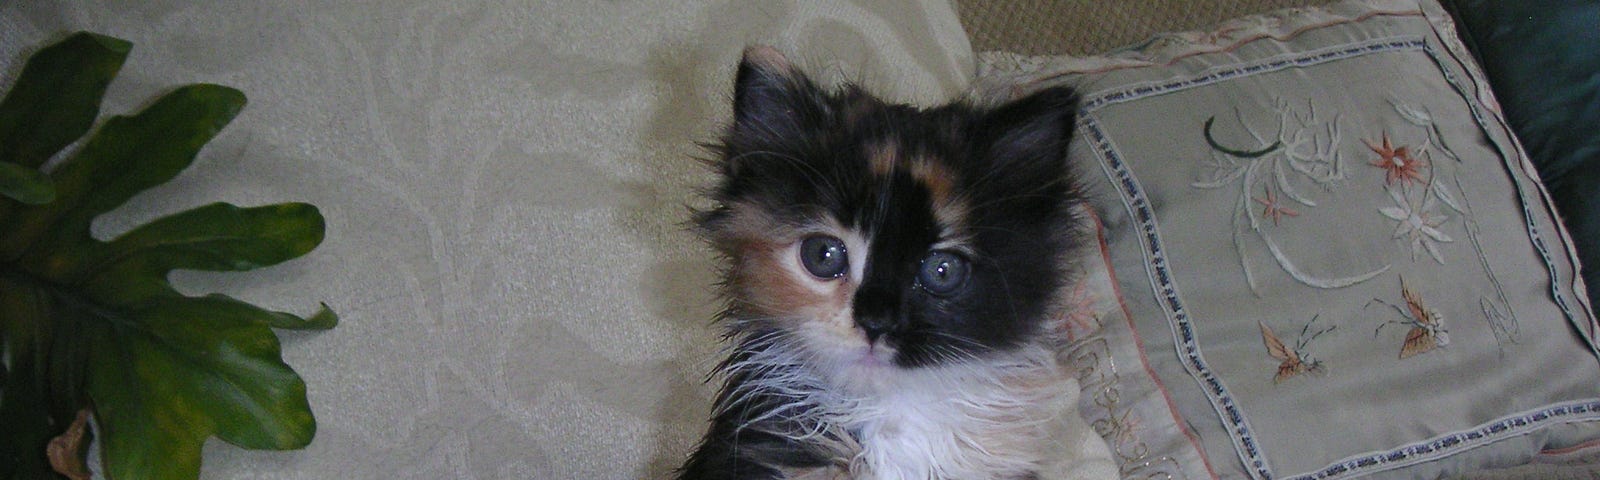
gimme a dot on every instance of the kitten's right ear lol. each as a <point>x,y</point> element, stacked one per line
<point>769,94</point>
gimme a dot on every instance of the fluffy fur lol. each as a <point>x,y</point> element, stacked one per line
<point>890,277</point>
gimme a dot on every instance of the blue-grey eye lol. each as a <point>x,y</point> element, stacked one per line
<point>942,273</point>
<point>824,256</point>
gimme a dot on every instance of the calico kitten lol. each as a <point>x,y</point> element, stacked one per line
<point>891,271</point>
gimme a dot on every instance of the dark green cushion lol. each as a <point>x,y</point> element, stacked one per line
<point>1543,62</point>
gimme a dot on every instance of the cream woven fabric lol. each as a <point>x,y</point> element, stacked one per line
<point>504,184</point>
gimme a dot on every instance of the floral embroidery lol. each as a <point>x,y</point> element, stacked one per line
<point>1111,418</point>
<point>1273,209</point>
<point>1397,163</point>
<point>1297,360</point>
<point>1081,319</point>
<point>1418,223</point>
<point>1226,173</point>
<point>1124,429</point>
<point>1420,116</point>
<point>1304,150</point>
<point>1427,325</point>
<point>1497,311</point>
<point>1094,312</point>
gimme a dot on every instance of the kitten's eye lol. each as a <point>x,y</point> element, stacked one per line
<point>942,273</point>
<point>824,256</point>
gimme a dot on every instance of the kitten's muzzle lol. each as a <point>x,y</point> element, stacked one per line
<point>875,327</point>
<point>877,310</point>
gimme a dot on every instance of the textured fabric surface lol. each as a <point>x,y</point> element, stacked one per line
<point>1537,472</point>
<point>504,184</point>
<point>1120,400</point>
<point>1336,258</point>
<point>1541,60</point>
<point>1088,27</point>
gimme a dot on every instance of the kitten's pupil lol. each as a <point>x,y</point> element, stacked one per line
<point>824,256</point>
<point>942,273</point>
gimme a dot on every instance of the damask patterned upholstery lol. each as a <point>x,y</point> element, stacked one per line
<point>505,186</point>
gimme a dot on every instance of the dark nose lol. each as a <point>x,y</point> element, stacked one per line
<point>875,310</point>
<point>875,326</point>
<point>877,306</point>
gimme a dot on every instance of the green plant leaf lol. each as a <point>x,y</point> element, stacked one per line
<point>187,369</point>
<point>25,184</point>
<point>26,428</point>
<point>57,96</point>
<point>216,237</point>
<point>90,323</point>
<point>126,156</point>
<point>25,390</point>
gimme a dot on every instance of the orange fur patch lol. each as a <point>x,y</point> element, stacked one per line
<point>949,208</point>
<point>767,284</point>
<point>748,223</point>
<point>939,181</point>
<point>883,158</point>
<point>769,281</point>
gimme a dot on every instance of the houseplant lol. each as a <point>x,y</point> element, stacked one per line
<point>92,328</point>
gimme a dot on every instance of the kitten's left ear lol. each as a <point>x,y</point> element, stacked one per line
<point>770,96</point>
<point>1032,132</point>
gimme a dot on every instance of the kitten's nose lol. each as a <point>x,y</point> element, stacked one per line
<point>874,327</point>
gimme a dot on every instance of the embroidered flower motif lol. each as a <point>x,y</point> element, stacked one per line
<point>1397,163</point>
<point>1418,223</point>
<point>1291,165</point>
<point>1126,428</point>
<point>1422,117</point>
<point>1274,210</point>
<point>1081,319</point>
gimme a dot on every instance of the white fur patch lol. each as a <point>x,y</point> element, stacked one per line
<point>997,418</point>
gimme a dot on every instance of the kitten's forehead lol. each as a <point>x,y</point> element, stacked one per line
<point>931,174</point>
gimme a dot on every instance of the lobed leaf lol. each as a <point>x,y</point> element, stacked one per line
<point>222,237</point>
<point>25,184</point>
<point>216,370</point>
<point>126,156</point>
<point>188,370</point>
<point>57,97</point>
<point>91,323</point>
<point>216,237</point>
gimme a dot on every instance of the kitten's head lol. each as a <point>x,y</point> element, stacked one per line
<point>876,235</point>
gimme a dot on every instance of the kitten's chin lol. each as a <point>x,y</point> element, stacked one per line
<point>865,369</point>
<point>847,360</point>
<point>873,358</point>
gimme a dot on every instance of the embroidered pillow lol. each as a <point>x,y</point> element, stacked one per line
<point>1327,256</point>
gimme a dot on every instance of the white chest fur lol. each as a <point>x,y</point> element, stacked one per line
<point>998,421</point>
<point>993,419</point>
<point>926,435</point>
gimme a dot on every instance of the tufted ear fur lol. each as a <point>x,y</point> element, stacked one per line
<point>1028,137</point>
<point>772,100</point>
<point>1034,127</point>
